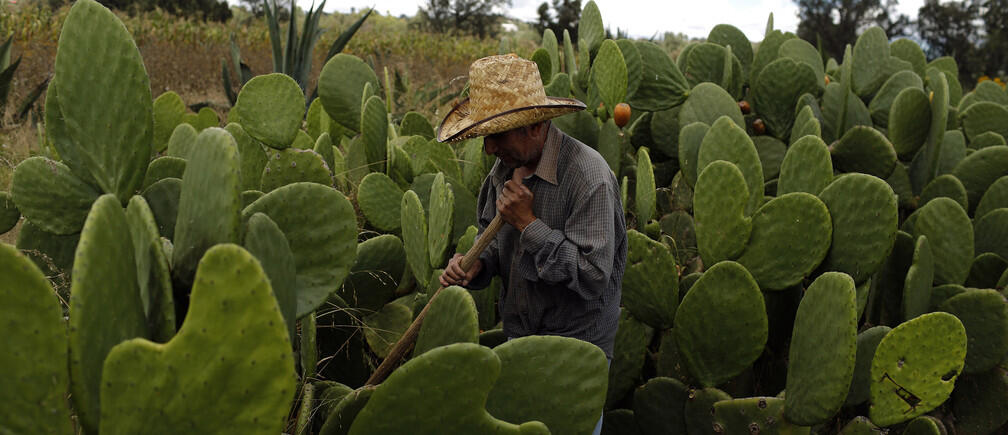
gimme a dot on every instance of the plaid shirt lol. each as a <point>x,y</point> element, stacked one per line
<point>562,274</point>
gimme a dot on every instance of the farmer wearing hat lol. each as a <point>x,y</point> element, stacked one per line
<point>563,253</point>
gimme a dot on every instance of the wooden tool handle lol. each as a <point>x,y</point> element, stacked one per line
<point>408,339</point>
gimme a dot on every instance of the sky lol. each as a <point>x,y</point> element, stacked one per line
<point>645,18</point>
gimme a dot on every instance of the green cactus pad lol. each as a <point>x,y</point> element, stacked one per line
<point>52,253</point>
<point>473,164</point>
<point>253,157</point>
<point>324,147</point>
<point>690,139</point>
<point>722,227</point>
<point>991,233</point>
<point>163,199</point>
<point>947,186</point>
<point>321,227</point>
<point>804,52</point>
<point>374,132</point>
<point>33,368</point>
<point>979,170</point>
<point>821,355</point>
<point>864,214</point>
<point>712,63</point>
<point>645,187</point>
<point>650,283</point>
<point>341,84</point>
<point>343,413</point>
<point>168,109</point>
<point>899,181</point>
<point>707,103</point>
<point>442,391</point>
<point>633,61</point>
<point>860,426</point>
<point>181,141</point>
<point>730,36</point>
<point>727,141</point>
<point>807,167</point>
<point>608,144</point>
<point>431,157</point>
<point>659,406</point>
<point>50,196</point>
<point>984,314</point>
<point>209,203</point>
<point>415,236</point>
<point>662,85</point>
<point>98,65</point>
<point>988,139</point>
<point>867,342</point>
<point>439,231</point>
<point>909,120</point>
<point>864,149</point>
<point>575,377</point>
<point>156,388</point>
<point>776,90</point>
<point>871,51</point>
<point>771,154</point>
<point>302,141</point>
<point>924,425</point>
<point>265,241</point>
<point>414,123</point>
<point>985,271</point>
<point>383,328</point>
<point>769,51</point>
<point>629,353</point>
<point>294,165</point>
<point>841,111</point>
<point>451,318</point>
<point>915,367</point>
<point>164,167</point>
<point>271,107</point>
<point>881,104</point>
<point>699,410</point>
<point>9,214</point>
<point>374,276</point>
<point>806,123</point>
<point>726,299</point>
<point>105,305</point>
<point>609,74</point>
<point>980,402</point>
<point>753,415</point>
<point>908,50</point>
<point>917,287</point>
<point>984,117</point>
<point>791,235</point>
<point>153,274</point>
<point>950,233</point>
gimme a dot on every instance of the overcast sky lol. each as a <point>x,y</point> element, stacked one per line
<point>645,18</point>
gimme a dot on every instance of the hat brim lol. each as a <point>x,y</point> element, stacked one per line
<point>458,124</point>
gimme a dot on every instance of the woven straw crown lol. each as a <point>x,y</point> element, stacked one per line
<point>505,92</point>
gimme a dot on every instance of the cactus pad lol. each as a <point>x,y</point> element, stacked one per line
<point>105,305</point>
<point>706,103</point>
<point>265,241</point>
<point>659,406</point>
<point>98,65</point>
<point>50,196</point>
<point>864,215</point>
<point>790,237</point>
<point>168,109</point>
<point>441,391</point>
<point>699,410</point>
<point>917,287</point>
<point>451,318</point>
<point>722,227</point>
<point>821,355</point>
<point>320,225</point>
<point>881,104</point>
<point>9,214</point>
<point>979,170</point>
<point>909,121</point>
<point>864,149</point>
<point>181,141</point>
<point>984,314</point>
<point>867,342</point>
<point>650,283</point>
<point>153,274</point>
<point>157,388</point>
<point>575,377</point>
<point>662,85</point>
<point>341,84</point>
<point>983,117</point>
<point>807,167</point>
<point>375,274</point>
<point>294,165</point>
<point>776,90</point>
<point>253,157</point>
<point>415,236</point>
<point>439,231</point>
<point>980,402</point>
<point>729,142</point>
<point>629,353</point>
<point>164,167</point>
<point>950,233</point>
<point>725,299</point>
<point>946,185</point>
<point>33,367</point>
<point>915,367</point>
<point>209,205</point>
<point>991,233</point>
<point>753,415</point>
<point>163,199</point>
<point>383,328</point>
<point>271,107</point>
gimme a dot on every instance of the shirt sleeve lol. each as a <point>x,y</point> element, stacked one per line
<point>581,256</point>
<point>489,256</point>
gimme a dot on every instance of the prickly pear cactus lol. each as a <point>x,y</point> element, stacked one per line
<point>153,273</point>
<point>33,369</point>
<point>439,229</point>
<point>375,274</point>
<point>246,384</point>
<point>754,415</point>
<point>576,378</point>
<point>50,196</point>
<point>451,318</point>
<point>105,305</point>
<point>415,236</point>
<point>9,214</point>
<point>321,227</point>
<point>442,391</point>
<point>729,142</point>
<point>294,165</point>
<point>806,167</point>
<point>270,108</point>
<point>725,299</point>
<point>265,241</point>
<point>253,157</point>
<point>380,200</point>
<point>722,225</point>
<point>984,314</point>
<point>164,167</point>
<point>864,215</point>
<point>915,367</point>
<point>181,141</point>
<point>948,229</point>
<point>341,84</point>
<point>650,282</point>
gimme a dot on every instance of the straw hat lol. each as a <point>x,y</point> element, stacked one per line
<point>505,92</point>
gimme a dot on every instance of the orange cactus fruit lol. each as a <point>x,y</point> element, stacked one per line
<point>744,107</point>
<point>759,126</point>
<point>621,114</point>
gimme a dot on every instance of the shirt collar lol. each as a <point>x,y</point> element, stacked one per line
<point>547,167</point>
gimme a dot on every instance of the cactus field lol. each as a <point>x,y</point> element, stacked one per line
<point>815,247</point>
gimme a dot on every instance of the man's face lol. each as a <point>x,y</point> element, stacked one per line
<point>514,148</point>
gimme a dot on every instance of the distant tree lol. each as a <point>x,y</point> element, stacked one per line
<point>832,24</point>
<point>474,17</point>
<point>953,29</point>
<point>995,48</point>
<point>212,10</point>
<point>562,15</point>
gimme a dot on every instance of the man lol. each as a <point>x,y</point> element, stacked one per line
<point>563,253</point>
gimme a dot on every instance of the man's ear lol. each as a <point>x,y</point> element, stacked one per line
<point>539,129</point>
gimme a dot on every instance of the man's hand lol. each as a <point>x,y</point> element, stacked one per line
<point>515,204</point>
<point>454,275</point>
